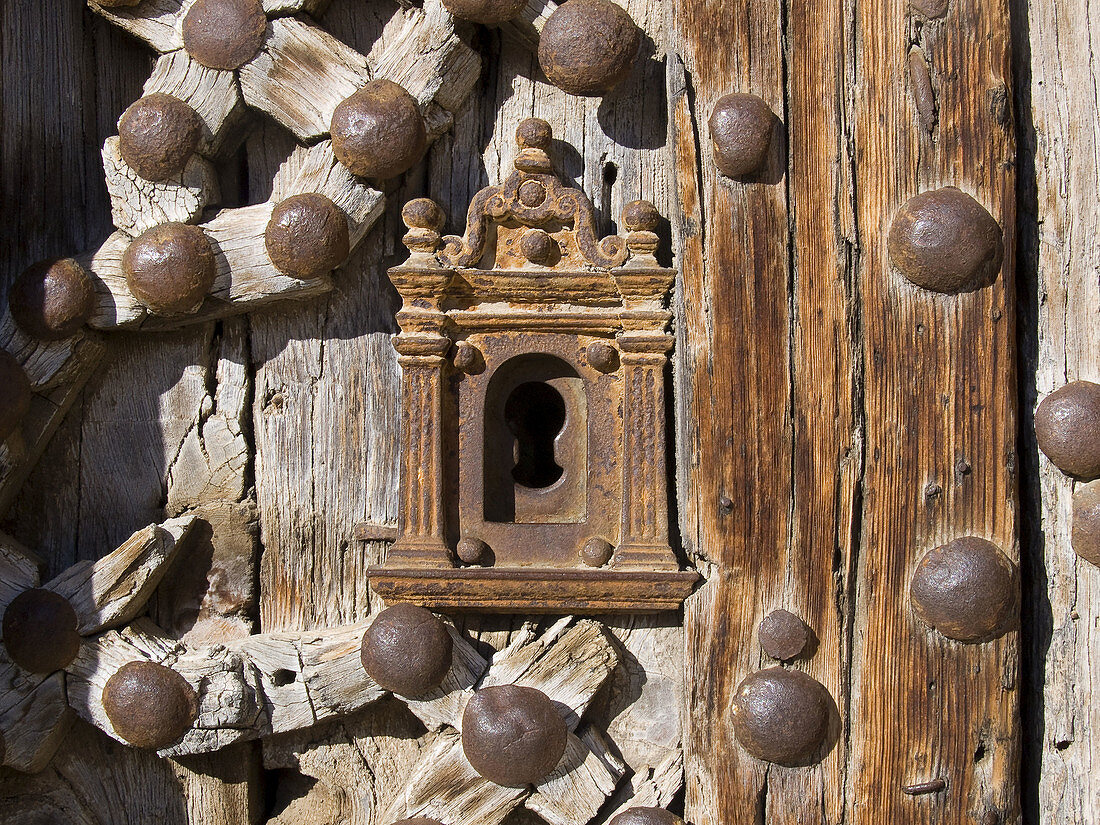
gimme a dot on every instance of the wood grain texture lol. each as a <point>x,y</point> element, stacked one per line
<point>1060,342</point>
<point>787,295</point>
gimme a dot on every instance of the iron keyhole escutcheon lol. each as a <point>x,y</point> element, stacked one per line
<point>535,414</point>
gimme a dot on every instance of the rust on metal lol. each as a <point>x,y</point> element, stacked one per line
<point>224,34</point>
<point>407,650</point>
<point>602,356</point>
<point>539,248</point>
<point>149,705</point>
<point>378,132</point>
<point>783,635</point>
<point>486,12</point>
<point>1067,428</point>
<point>40,631</point>
<point>15,394</point>
<point>370,531</point>
<point>307,236</point>
<point>945,241</point>
<point>472,551</point>
<point>646,816</point>
<point>1085,536</point>
<point>587,47</point>
<point>157,135</point>
<point>921,788</point>
<point>741,128</point>
<point>468,358</point>
<point>518,437</point>
<point>513,735</point>
<point>52,300</point>
<point>596,552</point>
<point>966,589</point>
<point>170,268</point>
<point>782,716</point>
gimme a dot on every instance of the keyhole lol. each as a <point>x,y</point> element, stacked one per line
<point>535,413</point>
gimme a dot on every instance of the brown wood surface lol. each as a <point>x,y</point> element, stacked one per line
<point>831,421</point>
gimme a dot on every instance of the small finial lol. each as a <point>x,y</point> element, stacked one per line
<point>641,219</point>
<point>533,136</point>
<point>424,219</point>
<point>534,133</point>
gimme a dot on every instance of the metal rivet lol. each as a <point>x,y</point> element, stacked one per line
<point>602,356</point>
<point>513,735</point>
<point>531,193</point>
<point>378,132</point>
<point>468,358</point>
<point>538,247</point>
<point>596,552</point>
<point>641,216</point>
<point>423,213</point>
<point>170,268</point>
<point>920,788</point>
<point>781,716</point>
<point>157,136</point>
<point>1067,427</point>
<point>966,589</point>
<point>472,551</point>
<point>783,635</point>
<point>646,816</point>
<point>946,241</point>
<point>741,127</point>
<point>588,46</point>
<point>307,236</point>
<point>40,631</point>
<point>224,34</point>
<point>486,12</point>
<point>1086,522</point>
<point>534,133</point>
<point>149,705</point>
<point>407,650</point>
<point>52,299</point>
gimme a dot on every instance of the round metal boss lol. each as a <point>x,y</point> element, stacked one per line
<point>781,716</point>
<point>513,735</point>
<point>587,47</point>
<point>407,650</point>
<point>149,705</point>
<point>52,300</point>
<point>307,236</point>
<point>378,132</point>
<point>170,268</point>
<point>1067,428</point>
<point>40,631</point>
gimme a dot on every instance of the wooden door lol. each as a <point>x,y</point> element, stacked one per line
<point>830,423</point>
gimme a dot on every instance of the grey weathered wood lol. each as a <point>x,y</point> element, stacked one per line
<point>1060,343</point>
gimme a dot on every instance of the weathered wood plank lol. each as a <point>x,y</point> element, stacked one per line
<point>734,402</point>
<point>939,397</point>
<point>1057,77</point>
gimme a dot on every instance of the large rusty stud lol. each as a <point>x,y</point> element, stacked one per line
<point>149,705</point>
<point>378,132</point>
<point>407,650</point>
<point>602,356</point>
<point>513,735</point>
<point>307,236</point>
<point>596,552</point>
<point>40,631</point>
<point>783,635</point>
<point>646,816</point>
<point>782,716</point>
<point>1085,535</point>
<point>1067,428</point>
<point>471,550</point>
<point>741,128</point>
<point>15,394</point>
<point>157,135</point>
<point>945,241</point>
<point>539,247</point>
<point>170,268</point>
<point>486,12</point>
<point>587,47</point>
<point>52,299</point>
<point>966,589</point>
<point>224,34</point>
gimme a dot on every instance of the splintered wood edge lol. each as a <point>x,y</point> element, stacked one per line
<point>113,590</point>
<point>154,21</point>
<point>138,204</point>
<point>34,716</point>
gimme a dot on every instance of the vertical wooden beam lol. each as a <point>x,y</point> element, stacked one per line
<point>733,392</point>
<point>1059,209</point>
<point>940,419</point>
